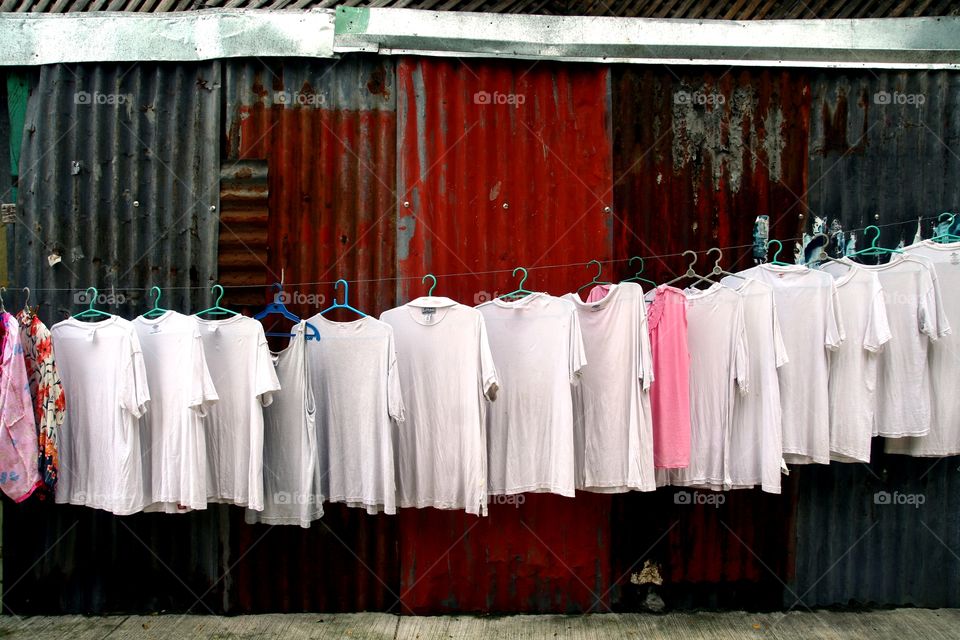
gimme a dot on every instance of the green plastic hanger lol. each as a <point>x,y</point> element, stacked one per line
<point>596,278</point>
<point>776,254</point>
<point>873,249</point>
<point>216,309</point>
<point>90,312</point>
<point>636,277</point>
<point>946,237</point>
<point>432,286</point>
<point>520,292</point>
<point>157,309</point>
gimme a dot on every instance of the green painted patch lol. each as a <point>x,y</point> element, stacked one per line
<point>351,20</point>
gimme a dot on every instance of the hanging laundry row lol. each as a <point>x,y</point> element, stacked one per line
<point>437,404</point>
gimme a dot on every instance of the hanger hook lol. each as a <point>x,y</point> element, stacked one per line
<point>692,262</point>
<point>596,278</point>
<point>523,279</point>
<point>630,262</point>
<point>26,300</point>
<point>873,241</point>
<point>156,301</point>
<point>432,286</point>
<point>716,264</point>
<point>3,290</point>
<point>346,291</point>
<point>217,288</point>
<point>776,254</point>
<point>950,217</point>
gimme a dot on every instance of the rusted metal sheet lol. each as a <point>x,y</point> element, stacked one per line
<point>503,165</point>
<point>118,186</point>
<point>327,131</point>
<point>883,150</point>
<point>698,155</point>
<point>701,153</point>
<point>244,231</point>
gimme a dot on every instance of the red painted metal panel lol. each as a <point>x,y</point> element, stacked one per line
<point>698,155</point>
<point>503,164</point>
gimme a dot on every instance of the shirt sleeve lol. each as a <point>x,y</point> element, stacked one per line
<point>878,327</point>
<point>835,334</point>
<point>204,393</point>
<point>578,355</point>
<point>779,347</point>
<point>394,395</point>
<point>489,381</point>
<point>742,357</point>
<point>266,375</point>
<point>934,303</point>
<point>646,351</point>
<point>136,393</point>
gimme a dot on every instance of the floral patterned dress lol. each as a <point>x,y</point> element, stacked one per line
<point>46,390</point>
<point>19,476</point>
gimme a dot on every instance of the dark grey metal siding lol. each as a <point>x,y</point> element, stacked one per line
<point>126,194</point>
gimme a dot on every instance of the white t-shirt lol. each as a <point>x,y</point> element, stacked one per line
<point>446,375</point>
<point>944,366</point>
<point>243,374</point>
<point>175,449</point>
<point>812,325</point>
<point>356,382</point>
<point>719,364</point>
<point>290,449</point>
<point>105,390</point>
<point>538,348</point>
<point>753,450</point>
<point>853,368</point>
<point>613,427</point>
<point>915,318</point>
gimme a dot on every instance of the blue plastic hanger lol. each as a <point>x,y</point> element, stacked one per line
<point>277,307</point>
<point>157,309</point>
<point>520,292</point>
<point>873,249</point>
<point>432,286</point>
<point>216,309</point>
<point>636,277</point>
<point>946,237</point>
<point>346,300</point>
<point>90,312</point>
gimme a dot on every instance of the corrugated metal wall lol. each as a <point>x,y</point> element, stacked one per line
<point>119,180</point>
<point>683,158</point>
<point>504,165</point>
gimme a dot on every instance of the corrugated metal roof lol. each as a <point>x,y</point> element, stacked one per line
<point>119,173</point>
<point>700,9</point>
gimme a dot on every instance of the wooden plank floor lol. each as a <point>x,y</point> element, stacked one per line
<point>929,624</point>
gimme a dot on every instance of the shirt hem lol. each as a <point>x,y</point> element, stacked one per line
<point>797,457</point>
<point>30,492</point>
<point>567,492</point>
<point>107,508</point>
<point>903,434</point>
<point>362,503</point>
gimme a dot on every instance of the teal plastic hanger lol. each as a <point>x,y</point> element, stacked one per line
<point>596,278</point>
<point>216,309</point>
<point>777,253</point>
<point>636,277</point>
<point>90,312</point>
<point>432,286</point>
<point>946,237</point>
<point>346,300</point>
<point>520,292</point>
<point>873,249</point>
<point>157,309</point>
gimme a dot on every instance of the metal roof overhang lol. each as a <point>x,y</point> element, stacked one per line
<point>892,43</point>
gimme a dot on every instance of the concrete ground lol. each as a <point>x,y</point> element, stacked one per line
<point>900,624</point>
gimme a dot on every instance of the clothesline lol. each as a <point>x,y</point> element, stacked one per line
<point>473,273</point>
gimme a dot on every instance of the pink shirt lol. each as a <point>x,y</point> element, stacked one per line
<point>670,391</point>
<point>19,471</point>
